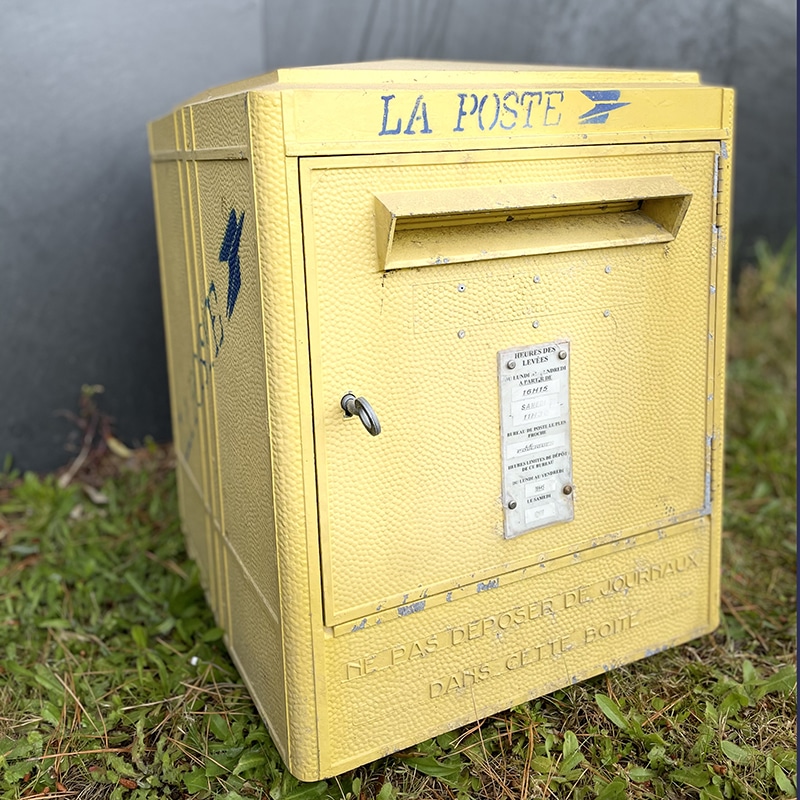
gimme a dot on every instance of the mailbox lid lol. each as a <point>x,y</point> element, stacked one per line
<point>415,515</point>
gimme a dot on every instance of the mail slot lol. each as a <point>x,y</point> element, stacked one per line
<point>446,359</point>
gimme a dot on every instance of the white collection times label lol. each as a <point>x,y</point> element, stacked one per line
<point>535,436</point>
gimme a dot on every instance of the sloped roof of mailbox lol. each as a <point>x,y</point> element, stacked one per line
<point>410,72</point>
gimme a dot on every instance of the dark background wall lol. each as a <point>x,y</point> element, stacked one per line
<point>78,81</point>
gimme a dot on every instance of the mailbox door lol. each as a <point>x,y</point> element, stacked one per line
<point>414,288</point>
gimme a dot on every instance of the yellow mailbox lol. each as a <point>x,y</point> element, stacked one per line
<point>446,356</point>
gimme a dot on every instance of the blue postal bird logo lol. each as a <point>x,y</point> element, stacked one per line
<point>229,254</point>
<point>605,101</point>
<point>213,322</point>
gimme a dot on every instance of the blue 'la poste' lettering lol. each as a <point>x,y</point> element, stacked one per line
<point>475,112</point>
<point>419,113</point>
<point>513,109</point>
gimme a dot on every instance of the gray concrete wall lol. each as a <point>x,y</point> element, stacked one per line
<point>79,80</point>
<point>78,260</point>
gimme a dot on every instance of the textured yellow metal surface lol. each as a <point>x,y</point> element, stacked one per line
<point>387,230</point>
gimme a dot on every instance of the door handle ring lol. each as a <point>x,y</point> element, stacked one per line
<point>358,406</point>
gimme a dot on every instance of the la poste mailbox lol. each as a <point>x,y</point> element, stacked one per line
<point>446,355</point>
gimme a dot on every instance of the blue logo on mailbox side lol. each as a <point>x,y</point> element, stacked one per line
<point>229,254</point>
<point>604,102</point>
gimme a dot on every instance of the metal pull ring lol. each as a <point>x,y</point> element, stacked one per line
<point>353,406</point>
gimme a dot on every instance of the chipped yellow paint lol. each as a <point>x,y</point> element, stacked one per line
<point>387,229</point>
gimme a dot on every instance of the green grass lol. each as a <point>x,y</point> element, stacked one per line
<point>114,681</point>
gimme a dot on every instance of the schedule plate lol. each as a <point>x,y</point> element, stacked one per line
<point>535,436</point>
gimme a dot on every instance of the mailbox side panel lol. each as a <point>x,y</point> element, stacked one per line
<point>212,291</point>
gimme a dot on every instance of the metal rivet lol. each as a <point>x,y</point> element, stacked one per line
<point>606,313</point>
<point>461,287</point>
<point>462,334</point>
<point>512,504</point>
<point>562,354</point>
<point>511,364</point>
<point>608,270</point>
<point>536,323</point>
<point>567,489</point>
<point>536,279</point>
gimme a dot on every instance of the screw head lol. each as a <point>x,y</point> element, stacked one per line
<point>512,504</point>
<point>511,364</point>
<point>536,279</point>
<point>461,287</point>
<point>536,323</point>
<point>567,489</point>
<point>562,354</point>
<point>606,313</point>
<point>462,334</point>
<point>608,269</point>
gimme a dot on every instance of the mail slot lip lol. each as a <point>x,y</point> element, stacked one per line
<point>430,227</point>
<point>509,197</point>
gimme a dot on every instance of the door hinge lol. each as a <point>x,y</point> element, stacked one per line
<point>709,488</point>
<point>717,190</point>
